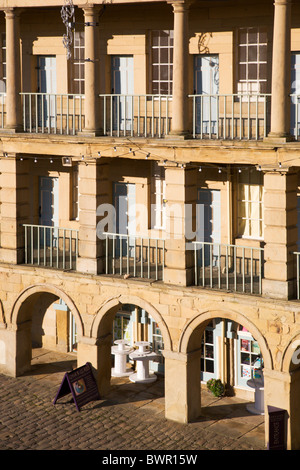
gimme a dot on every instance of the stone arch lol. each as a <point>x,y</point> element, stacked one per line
<point>189,336</point>
<point>21,312</point>
<point>287,356</point>
<point>102,320</point>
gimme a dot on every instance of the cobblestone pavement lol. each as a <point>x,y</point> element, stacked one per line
<point>130,418</point>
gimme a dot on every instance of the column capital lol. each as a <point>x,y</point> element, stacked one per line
<point>282,2</point>
<point>91,9</point>
<point>180,5</point>
<point>11,12</point>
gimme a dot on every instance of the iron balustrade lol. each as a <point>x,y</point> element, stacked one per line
<point>138,256</point>
<point>136,115</point>
<point>297,254</point>
<point>2,110</point>
<point>230,267</point>
<point>295,116</point>
<point>54,247</point>
<point>231,116</point>
<point>53,113</point>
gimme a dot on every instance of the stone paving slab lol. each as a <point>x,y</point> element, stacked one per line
<point>130,418</point>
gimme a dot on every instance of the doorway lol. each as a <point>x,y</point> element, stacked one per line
<point>46,86</point>
<point>206,84</point>
<point>48,206</point>
<point>122,80</point>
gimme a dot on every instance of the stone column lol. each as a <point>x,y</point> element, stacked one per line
<point>13,80</point>
<point>14,183</point>
<point>180,68</point>
<point>181,195</point>
<point>280,234</point>
<point>281,72</point>
<point>281,390</point>
<point>182,397</point>
<point>91,70</point>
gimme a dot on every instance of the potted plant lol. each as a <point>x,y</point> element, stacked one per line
<point>216,387</point>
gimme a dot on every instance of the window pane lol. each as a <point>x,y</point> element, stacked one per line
<point>164,38</point>
<point>155,55</point>
<point>263,71</point>
<point>243,71</point>
<point>252,36</point>
<point>252,71</point>
<point>164,72</point>
<point>243,54</point>
<point>252,53</point>
<point>263,53</point>
<point>164,55</point>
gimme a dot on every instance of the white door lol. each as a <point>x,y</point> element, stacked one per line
<point>123,86</point>
<point>48,205</point>
<point>206,84</point>
<point>295,91</point>
<point>209,225</point>
<point>46,81</point>
<point>124,203</point>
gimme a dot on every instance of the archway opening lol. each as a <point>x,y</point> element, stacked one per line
<point>46,335</point>
<point>231,353</point>
<point>143,334</point>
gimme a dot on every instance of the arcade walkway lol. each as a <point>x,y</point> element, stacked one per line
<point>130,418</point>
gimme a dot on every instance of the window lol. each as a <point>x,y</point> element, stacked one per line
<point>162,62</point>
<point>250,204</point>
<point>3,64</point>
<point>208,353</point>
<point>248,358</point>
<point>252,60</point>
<point>74,192</point>
<point>158,189</point>
<point>78,63</point>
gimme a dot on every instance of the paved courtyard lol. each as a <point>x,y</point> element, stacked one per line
<point>131,418</point>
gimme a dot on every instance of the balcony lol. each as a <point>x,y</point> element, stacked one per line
<point>230,267</point>
<point>136,256</point>
<point>212,117</point>
<point>51,247</point>
<point>221,267</point>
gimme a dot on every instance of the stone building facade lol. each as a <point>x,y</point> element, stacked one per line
<point>149,189</point>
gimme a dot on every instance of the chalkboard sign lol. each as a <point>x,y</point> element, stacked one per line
<point>277,428</point>
<point>81,384</point>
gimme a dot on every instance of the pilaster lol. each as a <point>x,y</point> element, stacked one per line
<point>181,195</point>
<point>280,234</point>
<point>14,183</point>
<point>13,78</point>
<point>92,192</point>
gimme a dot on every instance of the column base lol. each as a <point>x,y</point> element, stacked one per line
<point>278,138</point>
<point>178,277</point>
<point>281,290</point>
<point>180,135</point>
<point>89,265</point>
<point>12,130</point>
<point>91,133</point>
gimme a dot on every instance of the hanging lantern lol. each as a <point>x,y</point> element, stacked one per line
<point>67,14</point>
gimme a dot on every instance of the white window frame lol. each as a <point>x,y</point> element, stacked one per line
<point>3,59</point>
<point>249,221</point>
<point>158,195</point>
<point>78,78</point>
<point>250,85</point>
<point>75,192</point>
<point>159,63</point>
<point>241,382</point>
